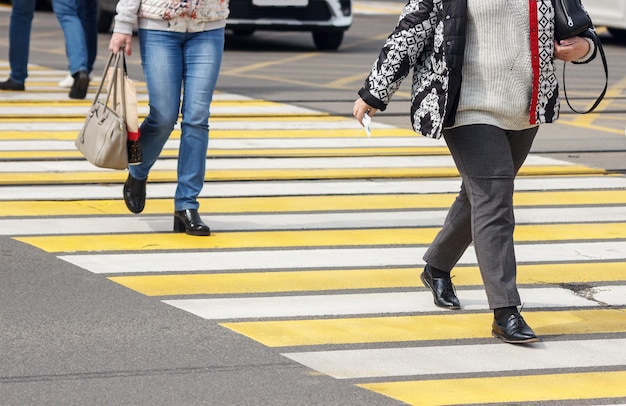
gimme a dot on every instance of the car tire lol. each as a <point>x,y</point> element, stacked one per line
<point>618,33</point>
<point>104,22</point>
<point>243,33</point>
<point>327,41</point>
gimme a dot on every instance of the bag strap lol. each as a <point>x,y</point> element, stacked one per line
<point>120,69</point>
<point>598,44</point>
<point>117,61</point>
<point>103,78</point>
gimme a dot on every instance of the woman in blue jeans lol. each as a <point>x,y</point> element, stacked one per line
<point>181,45</point>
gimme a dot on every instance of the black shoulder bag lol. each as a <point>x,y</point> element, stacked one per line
<point>571,20</point>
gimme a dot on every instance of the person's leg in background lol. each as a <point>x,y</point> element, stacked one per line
<point>88,15</point>
<point>22,13</point>
<point>66,12</point>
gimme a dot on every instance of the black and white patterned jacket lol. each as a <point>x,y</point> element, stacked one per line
<point>430,39</point>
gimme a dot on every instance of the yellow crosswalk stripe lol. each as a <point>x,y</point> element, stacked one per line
<point>249,153</point>
<point>290,204</point>
<point>449,326</point>
<point>353,279</point>
<point>307,238</point>
<point>233,134</point>
<point>73,102</point>
<point>506,389</point>
<point>215,175</point>
<point>314,116</point>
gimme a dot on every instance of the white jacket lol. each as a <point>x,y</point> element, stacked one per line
<point>171,15</point>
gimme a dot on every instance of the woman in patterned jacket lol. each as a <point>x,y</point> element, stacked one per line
<point>484,78</point>
<point>181,44</point>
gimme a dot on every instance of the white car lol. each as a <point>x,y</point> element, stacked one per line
<point>610,14</point>
<point>327,20</point>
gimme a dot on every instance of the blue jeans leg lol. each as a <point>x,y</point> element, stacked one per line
<point>19,38</point>
<point>66,12</point>
<point>88,15</point>
<point>170,60</point>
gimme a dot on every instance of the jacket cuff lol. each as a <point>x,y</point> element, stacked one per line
<point>589,54</point>
<point>371,100</point>
<point>123,27</point>
<point>591,38</point>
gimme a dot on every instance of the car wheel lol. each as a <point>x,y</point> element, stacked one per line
<point>619,34</point>
<point>105,19</point>
<point>243,33</point>
<point>327,41</point>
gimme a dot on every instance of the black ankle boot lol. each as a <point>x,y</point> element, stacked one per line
<point>189,221</point>
<point>135,194</point>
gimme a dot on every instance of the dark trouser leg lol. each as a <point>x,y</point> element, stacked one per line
<point>488,159</point>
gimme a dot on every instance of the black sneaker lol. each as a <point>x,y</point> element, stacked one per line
<point>10,84</point>
<point>80,86</point>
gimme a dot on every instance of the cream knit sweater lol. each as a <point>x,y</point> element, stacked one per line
<point>497,71</point>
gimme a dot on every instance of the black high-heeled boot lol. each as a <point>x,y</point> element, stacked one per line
<point>135,194</point>
<point>189,221</point>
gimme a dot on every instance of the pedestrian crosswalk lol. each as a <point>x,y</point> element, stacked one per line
<point>318,235</point>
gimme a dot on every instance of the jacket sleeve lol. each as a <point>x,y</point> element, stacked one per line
<point>126,16</point>
<point>400,53</point>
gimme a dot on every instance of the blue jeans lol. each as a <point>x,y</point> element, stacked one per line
<point>19,38</point>
<point>170,61</point>
<point>78,19</point>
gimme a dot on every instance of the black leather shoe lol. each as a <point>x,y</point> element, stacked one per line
<point>515,331</point>
<point>189,221</point>
<point>135,194</point>
<point>10,84</point>
<point>442,288</point>
<point>80,86</point>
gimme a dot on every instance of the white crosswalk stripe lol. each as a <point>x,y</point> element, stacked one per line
<point>327,270</point>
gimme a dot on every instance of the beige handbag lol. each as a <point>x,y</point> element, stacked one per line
<point>103,138</point>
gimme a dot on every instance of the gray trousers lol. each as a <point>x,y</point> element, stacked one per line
<point>488,159</point>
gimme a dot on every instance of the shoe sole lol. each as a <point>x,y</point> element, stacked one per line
<point>508,341</point>
<point>425,282</point>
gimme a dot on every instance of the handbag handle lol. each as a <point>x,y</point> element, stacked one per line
<point>606,80</point>
<point>117,61</point>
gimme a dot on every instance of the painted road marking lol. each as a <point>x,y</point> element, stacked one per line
<point>506,390</point>
<point>275,221</point>
<point>309,238</point>
<point>539,191</point>
<point>410,328</point>
<point>593,253</point>
<point>336,280</point>
<point>314,305</point>
<point>464,359</point>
